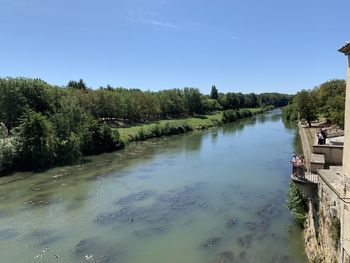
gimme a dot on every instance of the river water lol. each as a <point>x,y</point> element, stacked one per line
<point>208,196</point>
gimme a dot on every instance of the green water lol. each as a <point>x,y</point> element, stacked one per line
<point>211,196</point>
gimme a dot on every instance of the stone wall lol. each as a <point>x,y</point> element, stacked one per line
<point>318,234</point>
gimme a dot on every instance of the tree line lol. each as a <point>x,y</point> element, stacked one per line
<point>326,100</point>
<point>44,125</point>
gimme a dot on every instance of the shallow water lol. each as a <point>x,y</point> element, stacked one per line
<point>209,196</point>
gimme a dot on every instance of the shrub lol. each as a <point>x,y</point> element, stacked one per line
<point>98,138</point>
<point>67,150</point>
<point>3,131</point>
<point>297,204</point>
<point>230,116</point>
<point>36,136</point>
<point>289,113</point>
<point>7,154</point>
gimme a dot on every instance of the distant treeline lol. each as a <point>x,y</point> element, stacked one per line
<point>44,125</point>
<point>325,101</point>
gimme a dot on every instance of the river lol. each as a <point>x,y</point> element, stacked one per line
<point>207,196</point>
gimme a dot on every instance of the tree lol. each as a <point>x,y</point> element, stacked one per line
<point>12,103</point>
<point>232,101</point>
<point>193,100</point>
<point>214,93</point>
<point>99,138</point>
<point>331,96</point>
<point>77,84</point>
<point>36,136</point>
<point>307,105</point>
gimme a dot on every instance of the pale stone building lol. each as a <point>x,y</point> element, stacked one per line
<point>327,232</point>
<point>345,213</point>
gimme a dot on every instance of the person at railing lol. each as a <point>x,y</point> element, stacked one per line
<point>294,162</point>
<point>321,139</point>
<point>298,163</point>
<point>324,134</point>
<point>301,160</point>
<point>300,167</point>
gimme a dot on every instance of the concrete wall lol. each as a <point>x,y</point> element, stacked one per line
<point>333,154</point>
<point>346,156</point>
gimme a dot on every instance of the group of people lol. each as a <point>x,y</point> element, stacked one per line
<point>322,136</point>
<point>298,163</point>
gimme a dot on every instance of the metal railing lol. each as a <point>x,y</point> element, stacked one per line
<point>298,170</point>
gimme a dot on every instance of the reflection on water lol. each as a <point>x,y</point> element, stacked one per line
<point>208,196</point>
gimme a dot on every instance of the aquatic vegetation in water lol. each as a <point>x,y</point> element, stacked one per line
<point>245,241</point>
<point>211,242</point>
<point>8,233</point>
<point>91,251</point>
<point>231,222</point>
<point>226,256</point>
<point>41,200</point>
<point>135,197</point>
<point>157,217</point>
<point>44,237</point>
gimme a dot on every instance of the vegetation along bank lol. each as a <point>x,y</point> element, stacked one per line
<point>43,125</point>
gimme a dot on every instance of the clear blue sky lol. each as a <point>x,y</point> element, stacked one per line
<point>238,45</point>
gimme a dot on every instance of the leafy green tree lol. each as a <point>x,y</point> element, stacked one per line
<point>37,94</point>
<point>172,103</point>
<point>99,138</point>
<point>80,85</point>
<point>209,104</point>
<point>71,117</point>
<point>8,153</point>
<point>3,131</point>
<point>193,100</point>
<point>250,100</point>
<point>232,101</point>
<point>214,93</point>
<point>36,136</point>
<point>69,123</point>
<point>289,113</point>
<point>307,105</point>
<point>12,103</point>
<point>331,96</point>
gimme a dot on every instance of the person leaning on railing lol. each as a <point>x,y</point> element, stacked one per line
<point>294,161</point>
<point>298,165</point>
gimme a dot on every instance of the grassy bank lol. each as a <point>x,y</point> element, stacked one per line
<point>168,127</point>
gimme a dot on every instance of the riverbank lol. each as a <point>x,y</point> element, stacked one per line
<point>168,127</point>
<point>137,132</point>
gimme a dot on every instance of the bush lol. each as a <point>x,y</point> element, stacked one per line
<point>297,204</point>
<point>7,154</point>
<point>171,129</point>
<point>289,113</point>
<point>244,113</point>
<point>66,151</point>
<point>36,136</point>
<point>3,131</point>
<point>98,138</point>
<point>230,116</point>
